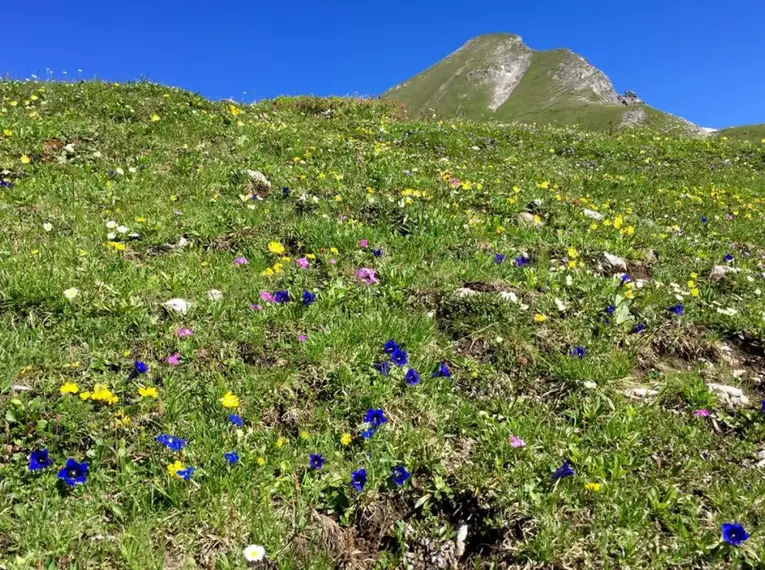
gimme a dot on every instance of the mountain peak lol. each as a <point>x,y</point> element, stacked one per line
<point>497,76</point>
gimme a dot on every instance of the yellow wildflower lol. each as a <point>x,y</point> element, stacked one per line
<point>694,292</point>
<point>691,284</point>
<point>229,400</point>
<point>25,159</point>
<point>310,256</point>
<point>304,434</point>
<point>346,439</point>
<point>629,230</point>
<point>69,388</point>
<point>280,441</point>
<point>115,245</point>
<point>84,395</point>
<point>154,118</point>
<point>267,272</point>
<point>594,487</point>
<point>173,468</point>
<point>593,226</point>
<point>618,222</point>
<point>261,460</point>
<point>572,253</point>
<point>539,318</point>
<point>140,220</point>
<point>276,247</point>
<point>333,250</point>
<point>234,110</point>
<point>694,275</point>
<point>148,392</point>
<point>8,132</point>
<point>102,394</point>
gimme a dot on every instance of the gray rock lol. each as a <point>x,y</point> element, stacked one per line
<point>258,180</point>
<point>180,306</point>
<point>462,292</point>
<point>640,393</point>
<point>615,262</point>
<point>729,395</point>
<point>720,271</point>
<point>592,214</point>
<point>527,219</point>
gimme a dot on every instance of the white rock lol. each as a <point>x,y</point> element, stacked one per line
<point>590,385</point>
<point>214,295</point>
<point>462,532</point>
<point>761,454</point>
<point>615,262</point>
<point>559,304</point>
<point>592,214</point>
<point>719,271</point>
<point>508,296</point>
<point>730,395</point>
<point>180,306</point>
<point>183,242</point>
<point>527,219</point>
<point>640,393</point>
<point>258,179</point>
<point>464,292</point>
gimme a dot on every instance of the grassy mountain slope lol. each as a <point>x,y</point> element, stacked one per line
<point>475,246</point>
<point>754,133</point>
<point>497,77</point>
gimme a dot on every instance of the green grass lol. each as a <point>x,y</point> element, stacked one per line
<point>753,133</point>
<point>440,200</point>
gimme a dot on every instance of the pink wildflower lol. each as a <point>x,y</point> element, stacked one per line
<point>302,262</point>
<point>302,338</point>
<point>174,359</point>
<point>184,332</point>
<point>240,260</point>
<point>454,181</point>
<point>256,307</point>
<point>266,296</point>
<point>702,413</point>
<point>516,441</point>
<point>364,243</point>
<point>367,276</point>
<point>332,261</point>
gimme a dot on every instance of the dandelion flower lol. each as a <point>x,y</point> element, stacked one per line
<point>539,318</point>
<point>229,400</point>
<point>594,487</point>
<point>276,247</point>
<point>25,159</point>
<point>345,439</point>
<point>148,392</point>
<point>69,388</point>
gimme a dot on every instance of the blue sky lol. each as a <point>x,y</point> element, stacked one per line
<point>700,59</point>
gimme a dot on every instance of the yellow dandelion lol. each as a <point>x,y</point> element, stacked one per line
<point>304,434</point>
<point>261,460</point>
<point>148,392</point>
<point>694,292</point>
<point>69,388</point>
<point>84,395</point>
<point>280,441</point>
<point>539,318</point>
<point>25,159</point>
<point>594,487</point>
<point>618,222</point>
<point>234,110</point>
<point>275,247</point>
<point>8,132</point>
<point>593,226</point>
<point>174,467</point>
<point>346,439</point>
<point>154,118</point>
<point>229,400</point>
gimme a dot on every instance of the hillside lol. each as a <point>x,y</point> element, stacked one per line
<point>498,77</point>
<point>754,133</point>
<point>315,334</point>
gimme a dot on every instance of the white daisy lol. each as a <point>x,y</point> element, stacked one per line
<point>71,293</point>
<point>254,553</point>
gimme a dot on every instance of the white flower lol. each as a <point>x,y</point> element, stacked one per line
<point>47,226</point>
<point>71,293</point>
<point>122,229</point>
<point>111,224</point>
<point>254,553</point>
<point>120,171</point>
<point>214,295</point>
<point>111,235</point>
<point>590,385</point>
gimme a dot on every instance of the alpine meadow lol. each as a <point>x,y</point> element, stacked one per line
<point>341,333</point>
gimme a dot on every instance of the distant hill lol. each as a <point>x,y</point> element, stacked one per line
<point>498,77</point>
<point>754,133</point>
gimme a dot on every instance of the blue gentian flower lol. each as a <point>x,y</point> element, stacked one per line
<point>577,352</point>
<point>232,457</point>
<point>368,433</point>
<point>39,460</point>
<point>377,252</point>
<point>140,367</point>
<point>703,219</point>
<point>236,420</point>
<point>640,327</point>
<point>624,279</point>
<point>763,406</point>
<point>282,296</point>
<point>375,417</point>
<point>6,184</point>
<point>442,371</point>
<point>728,257</point>
<point>522,261</point>
<point>411,377</point>
<point>734,534</point>
<point>399,357</point>
<point>677,309</point>
<point>382,367</point>
<point>171,442</point>
<point>285,191</point>
<point>308,298</point>
<point>359,479</point>
<point>399,475</point>
<point>185,474</point>
<point>73,472</point>
<point>610,310</point>
<point>390,347</point>
<point>316,460</point>
<point>564,470</point>
<point>499,258</point>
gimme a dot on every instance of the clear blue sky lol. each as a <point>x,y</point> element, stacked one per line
<point>701,59</point>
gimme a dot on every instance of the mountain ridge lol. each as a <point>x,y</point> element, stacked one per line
<point>499,77</point>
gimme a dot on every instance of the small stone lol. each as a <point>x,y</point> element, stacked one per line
<point>462,292</point>
<point>526,219</point>
<point>180,306</point>
<point>616,262</point>
<point>214,295</point>
<point>183,242</point>
<point>719,271</point>
<point>592,214</point>
<point>258,180</point>
<point>20,388</point>
<point>761,454</point>
<point>508,296</point>
<point>462,532</point>
<point>729,395</point>
<point>640,393</point>
<point>590,385</point>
